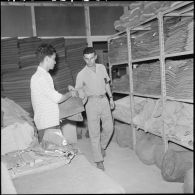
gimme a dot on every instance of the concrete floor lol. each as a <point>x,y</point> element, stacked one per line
<point>123,166</point>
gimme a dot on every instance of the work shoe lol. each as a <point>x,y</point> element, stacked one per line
<point>103,152</point>
<point>100,165</point>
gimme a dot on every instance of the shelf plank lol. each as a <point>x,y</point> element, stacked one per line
<point>179,54</point>
<point>146,59</point>
<point>180,6</point>
<point>181,143</point>
<point>180,100</point>
<point>122,92</point>
<point>147,95</point>
<point>119,63</point>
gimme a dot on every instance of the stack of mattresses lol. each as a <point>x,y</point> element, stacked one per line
<point>121,84</point>
<point>118,50</point>
<point>184,78</point>
<point>61,74</point>
<point>27,51</point>
<point>176,36</point>
<point>74,58</point>
<point>9,55</point>
<point>16,86</point>
<point>146,78</point>
<point>140,11</point>
<point>190,37</point>
<point>146,44</point>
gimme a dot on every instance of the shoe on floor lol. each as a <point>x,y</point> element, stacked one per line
<point>103,152</point>
<point>100,165</point>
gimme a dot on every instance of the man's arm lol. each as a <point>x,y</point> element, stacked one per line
<point>108,90</point>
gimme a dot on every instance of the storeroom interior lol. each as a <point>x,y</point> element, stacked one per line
<point>146,49</point>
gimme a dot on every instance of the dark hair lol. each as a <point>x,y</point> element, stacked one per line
<point>89,50</point>
<point>44,50</point>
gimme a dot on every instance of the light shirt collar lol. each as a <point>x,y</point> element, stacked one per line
<point>42,70</point>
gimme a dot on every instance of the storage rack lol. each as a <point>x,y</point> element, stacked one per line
<point>184,9</point>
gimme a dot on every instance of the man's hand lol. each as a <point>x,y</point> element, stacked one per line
<point>112,105</point>
<point>74,93</point>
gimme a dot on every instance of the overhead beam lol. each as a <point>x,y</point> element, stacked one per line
<point>72,4</point>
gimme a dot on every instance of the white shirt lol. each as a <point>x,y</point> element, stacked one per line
<point>44,99</point>
<point>93,83</point>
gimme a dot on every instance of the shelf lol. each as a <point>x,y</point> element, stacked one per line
<point>122,92</point>
<point>119,63</point>
<point>181,143</point>
<point>181,6</point>
<point>146,59</point>
<point>147,95</point>
<point>183,9</point>
<point>178,54</point>
<point>180,100</point>
<point>137,94</point>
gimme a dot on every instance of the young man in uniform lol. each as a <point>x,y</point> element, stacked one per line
<point>94,80</point>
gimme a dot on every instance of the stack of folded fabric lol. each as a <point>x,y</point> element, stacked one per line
<point>74,58</point>
<point>146,79</point>
<point>27,49</point>
<point>170,76</point>
<point>140,11</point>
<point>9,55</point>
<point>118,50</point>
<point>16,86</point>
<point>175,38</point>
<point>190,37</point>
<point>146,44</point>
<point>121,84</point>
<point>184,78</point>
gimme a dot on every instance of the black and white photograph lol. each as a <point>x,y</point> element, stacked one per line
<point>97,97</point>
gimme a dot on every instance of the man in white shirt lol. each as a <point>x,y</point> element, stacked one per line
<point>44,97</point>
<point>94,80</point>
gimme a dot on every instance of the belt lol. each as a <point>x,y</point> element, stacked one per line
<point>97,96</point>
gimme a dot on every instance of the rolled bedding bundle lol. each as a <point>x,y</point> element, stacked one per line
<point>175,164</point>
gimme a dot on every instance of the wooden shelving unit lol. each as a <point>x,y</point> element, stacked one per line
<point>184,9</point>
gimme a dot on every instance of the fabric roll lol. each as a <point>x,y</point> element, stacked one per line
<point>145,147</point>
<point>175,164</point>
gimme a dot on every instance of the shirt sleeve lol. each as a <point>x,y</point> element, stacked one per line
<point>79,81</point>
<point>105,73</point>
<point>42,86</point>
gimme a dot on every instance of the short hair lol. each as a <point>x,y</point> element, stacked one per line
<point>44,50</point>
<point>89,50</point>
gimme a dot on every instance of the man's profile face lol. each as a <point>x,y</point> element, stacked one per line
<point>51,61</point>
<point>90,59</point>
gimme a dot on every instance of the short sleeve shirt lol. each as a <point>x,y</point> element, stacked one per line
<point>93,83</point>
<point>44,99</point>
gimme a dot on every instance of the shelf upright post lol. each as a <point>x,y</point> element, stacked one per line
<point>163,80</point>
<point>131,84</point>
<point>110,66</point>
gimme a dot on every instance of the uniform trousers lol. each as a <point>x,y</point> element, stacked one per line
<point>98,108</point>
